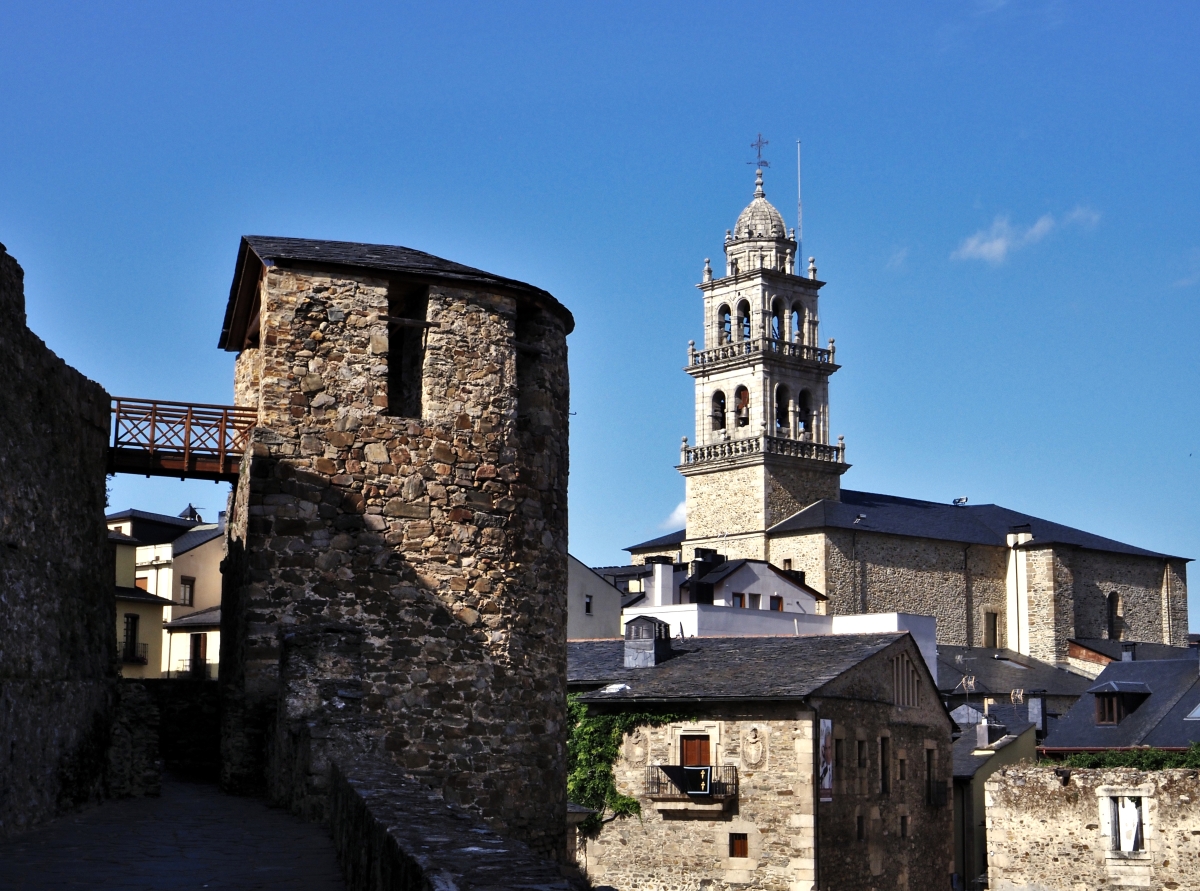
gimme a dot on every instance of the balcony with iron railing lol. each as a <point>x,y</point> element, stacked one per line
<point>698,785</point>
<point>135,653</point>
<point>193,668</point>
<point>732,450</point>
<point>760,347</point>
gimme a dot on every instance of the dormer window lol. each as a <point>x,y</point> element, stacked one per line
<point>1113,708</point>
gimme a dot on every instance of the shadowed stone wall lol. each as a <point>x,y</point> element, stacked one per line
<point>57,612</point>
<point>408,573</point>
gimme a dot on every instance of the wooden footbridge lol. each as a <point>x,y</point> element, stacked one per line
<point>179,439</point>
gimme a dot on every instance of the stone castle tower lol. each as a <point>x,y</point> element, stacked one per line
<point>762,449</point>
<point>395,585</point>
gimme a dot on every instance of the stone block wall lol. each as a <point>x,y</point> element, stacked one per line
<point>791,487</point>
<point>437,545</point>
<point>728,501</point>
<point>689,849</point>
<point>1053,832</point>
<point>1153,594</point>
<point>58,664</point>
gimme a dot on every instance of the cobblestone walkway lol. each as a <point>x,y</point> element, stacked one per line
<point>192,837</point>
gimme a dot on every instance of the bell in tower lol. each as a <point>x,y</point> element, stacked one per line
<point>761,451</point>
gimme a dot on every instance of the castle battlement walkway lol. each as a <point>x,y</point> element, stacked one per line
<point>179,439</point>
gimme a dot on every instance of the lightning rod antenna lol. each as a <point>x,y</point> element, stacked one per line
<point>799,209</point>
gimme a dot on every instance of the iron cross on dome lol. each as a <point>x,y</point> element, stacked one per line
<point>757,145</point>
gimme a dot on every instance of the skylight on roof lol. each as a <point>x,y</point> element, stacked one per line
<point>1194,714</point>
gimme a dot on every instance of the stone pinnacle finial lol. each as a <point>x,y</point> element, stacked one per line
<point>758,189</point>
<point>707,270</point>
<point>812,267</point>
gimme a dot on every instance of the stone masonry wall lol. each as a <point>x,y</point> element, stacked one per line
<point>435,548</point>
<point>870,572</point>
<point>1140,583</point>
<point>791,488</point>
<point>57,648</point>
<point>680,849</point>
<point>1045,834</point>
<point>729,501</point>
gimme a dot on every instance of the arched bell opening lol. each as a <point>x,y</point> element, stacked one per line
<point>718,411</point>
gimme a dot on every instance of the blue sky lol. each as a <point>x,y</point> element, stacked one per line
<point>1001,195</point>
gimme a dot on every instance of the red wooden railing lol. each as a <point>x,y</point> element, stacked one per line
<point>180,439</point>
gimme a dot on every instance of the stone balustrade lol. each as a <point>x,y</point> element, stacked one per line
<point>761,346</point>
<point>733,449</point>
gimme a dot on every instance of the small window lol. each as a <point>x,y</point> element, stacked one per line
<point>885,765</point>
<point>408,306</point>
<point>860,827</point>
<point>142,582</point>
<point>694,751</point>
<point>739,601</point>
<point>755,601</point>
<point>739,844</point>
<point>777,604</point>
<point>930,778</point>
<point>787,565</point>
<point>1126,815</point>
<point>187,591</point>
<point>903,823</point>
<point>862,754</point>
<point>1116,613</point>
<point>903,769</point>
<point>587,604</point>
<point>1113,708</point>
<point>839,759</point>
<point>989,630</point>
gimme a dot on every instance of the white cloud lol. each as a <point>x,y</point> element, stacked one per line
<point>1188,280</point>
<point>896,261</point>
<point>1003,238</point>
<point>678,517</point>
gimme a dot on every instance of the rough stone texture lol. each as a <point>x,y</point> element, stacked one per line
<point>189,726</point>
<point>134,769</point>
<point>393,834</point>
<point>436,545</point>
<point>57,613</point>
<point>1047,836</point>
<point>725,502</point>
<point>794,841</point>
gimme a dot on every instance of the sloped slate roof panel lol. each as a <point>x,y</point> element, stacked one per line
<point>986,524</point>
<point>671,538</point>
<point>723,668</point>
<point>193,538</point>
<point>999,672</point>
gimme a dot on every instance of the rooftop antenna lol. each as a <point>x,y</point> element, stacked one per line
<point>799,208</point>
<point>757,145</point>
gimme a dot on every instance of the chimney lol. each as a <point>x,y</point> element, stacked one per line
<point>661,590</point>
<point>647,642</point>
<point>987,733</point>
<point>1128,652</point>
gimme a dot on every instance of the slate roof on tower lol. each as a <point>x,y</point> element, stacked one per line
<point>985,524</point>
<point>258,251</point>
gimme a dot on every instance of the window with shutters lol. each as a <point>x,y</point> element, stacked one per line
<point>906,681</point>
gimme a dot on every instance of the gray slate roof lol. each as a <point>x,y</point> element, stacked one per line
<point>203,618</point>
<point>137,595</point>
<point>1142,651</point>
<point>967,763</point>
<point>1158,721</point>
<point>376,257</point>
<point>985,524</point>
<point>999,677</point>
<point>671,538</point>
<point>722,668</point>
<point>193,538</point>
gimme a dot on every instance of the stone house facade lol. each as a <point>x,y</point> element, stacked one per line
<point>763,481</point>
<point>830,762</point>
<point>1066,829</point>
<point>396,573</point>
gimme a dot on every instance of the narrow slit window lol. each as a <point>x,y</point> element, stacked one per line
<point>408,308</point>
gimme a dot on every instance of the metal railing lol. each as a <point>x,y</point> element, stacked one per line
<point>672,783</point>
<point>193,668</point>
<point>761,345</point>
<point>135,653</point>
<point>758,445</point>
<point>179,438</point>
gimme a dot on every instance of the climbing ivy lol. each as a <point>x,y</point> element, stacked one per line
<point>593,746</point>
<point>1139,759</point>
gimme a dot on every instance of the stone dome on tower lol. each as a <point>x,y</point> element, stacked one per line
<point>760,219</point>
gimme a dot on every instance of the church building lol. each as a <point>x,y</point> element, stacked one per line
<point>763,482</point>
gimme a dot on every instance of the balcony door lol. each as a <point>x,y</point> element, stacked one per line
<point>694,751</point>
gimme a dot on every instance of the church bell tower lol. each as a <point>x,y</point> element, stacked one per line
<point>761,450</point>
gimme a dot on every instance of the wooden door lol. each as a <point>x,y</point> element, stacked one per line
<point>694,751</point>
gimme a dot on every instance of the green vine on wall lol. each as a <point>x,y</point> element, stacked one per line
<point>1138,759</point>
<point>593,746</point>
